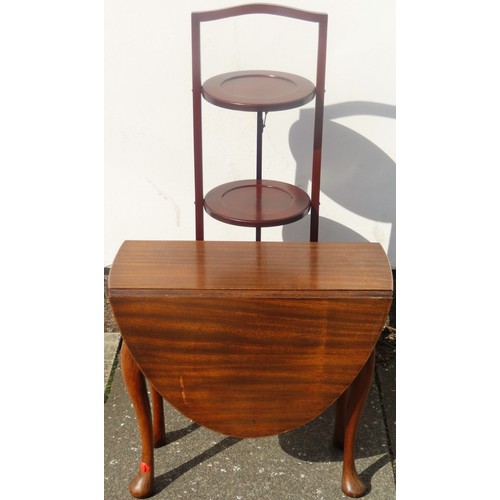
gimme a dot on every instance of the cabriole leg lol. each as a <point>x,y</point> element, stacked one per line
<point>141,485</point>
<point>352,485</point>
<point>340,415</point>
<point>158,418</point>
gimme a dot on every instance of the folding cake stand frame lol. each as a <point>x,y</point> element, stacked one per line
<point>258,202</point>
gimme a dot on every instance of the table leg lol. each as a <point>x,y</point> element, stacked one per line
<point>141,486</point>
<point>340,415</point>
<point>158,418</point>
<point>352,485</point>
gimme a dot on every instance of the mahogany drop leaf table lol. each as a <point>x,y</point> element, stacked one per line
<point>249,339</point>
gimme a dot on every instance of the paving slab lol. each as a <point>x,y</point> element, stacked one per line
<point>386,378</point>
<point>111,343</point>
<point>197,463</point>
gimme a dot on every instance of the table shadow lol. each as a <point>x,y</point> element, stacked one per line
<point>164,480</point>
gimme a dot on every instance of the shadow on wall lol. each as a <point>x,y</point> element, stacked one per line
<point>355,173</point>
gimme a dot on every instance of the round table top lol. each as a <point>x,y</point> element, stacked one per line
<point>250,339</point>
<point>257,203</point>
<point>258,90</point>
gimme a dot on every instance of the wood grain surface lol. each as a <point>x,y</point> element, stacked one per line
<point>206,267</point>
<point>250,339</point>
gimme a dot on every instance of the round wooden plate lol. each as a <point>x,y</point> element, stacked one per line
<point>257,203</point>
<point>258,90</point>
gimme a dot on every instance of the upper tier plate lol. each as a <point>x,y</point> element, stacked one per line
<point>258,90</point>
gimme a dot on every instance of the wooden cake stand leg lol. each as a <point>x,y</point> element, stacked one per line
<point>141,486</point>
<point>349,408</point>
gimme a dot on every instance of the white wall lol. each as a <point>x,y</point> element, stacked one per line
<point>149,191</point>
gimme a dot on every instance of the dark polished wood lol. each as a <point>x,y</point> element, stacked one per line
<point>352,485</point>
<point>258,90</point>
<point>158,419</point>
<point>251,339</point>
<point>257,203</point>
<point>340,416</point>
<point>141,484</point>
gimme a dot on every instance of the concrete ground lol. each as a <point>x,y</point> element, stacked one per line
<point>197,463</point>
